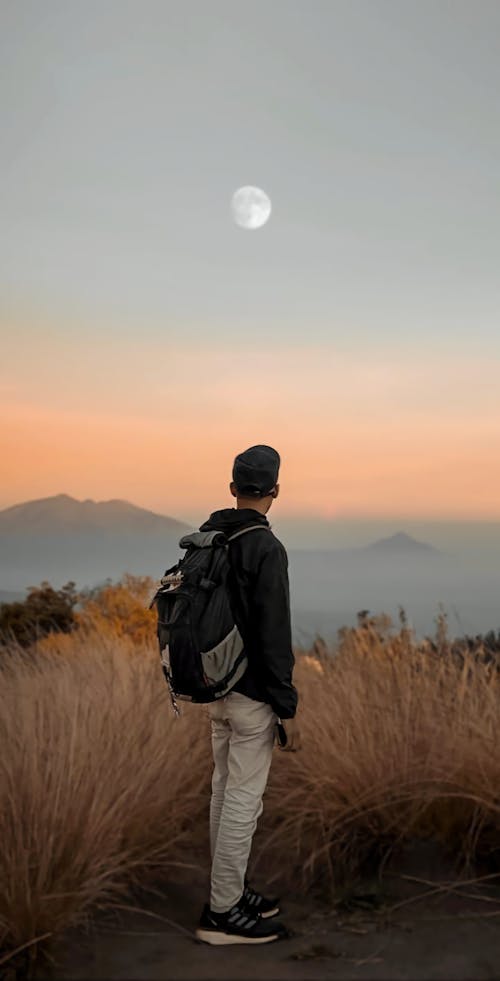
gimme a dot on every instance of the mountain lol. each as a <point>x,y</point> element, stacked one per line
<point>328,588</point>
<point>401,544</point>
<point>61,538</point>
<point>62,513</point>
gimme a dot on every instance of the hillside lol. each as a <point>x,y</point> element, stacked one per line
<point>60,538</point>
<point>62,513</point>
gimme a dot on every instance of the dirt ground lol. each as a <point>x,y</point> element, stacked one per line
<point>413,925</point>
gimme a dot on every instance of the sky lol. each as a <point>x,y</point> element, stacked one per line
<point>147,339</point>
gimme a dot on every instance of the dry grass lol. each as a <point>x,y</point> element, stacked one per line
<point>399,742</point>
<point>101,786</point>
<point>99,782</point>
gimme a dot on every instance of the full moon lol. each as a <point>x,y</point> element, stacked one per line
<point>251,207</point>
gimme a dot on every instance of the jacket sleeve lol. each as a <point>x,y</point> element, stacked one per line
<point>271,630</point>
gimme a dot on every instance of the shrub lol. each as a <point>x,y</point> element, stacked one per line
<point>121,609</point>
<point>44,610</point>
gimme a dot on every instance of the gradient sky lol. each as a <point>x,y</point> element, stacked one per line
<point>146,339</point>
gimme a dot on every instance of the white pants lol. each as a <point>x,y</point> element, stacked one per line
<point>243,732</point>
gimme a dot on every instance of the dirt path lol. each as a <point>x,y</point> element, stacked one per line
<point>443,937</point>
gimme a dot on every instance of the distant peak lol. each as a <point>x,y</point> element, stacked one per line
<point>401,536</point>
<point>44,502</point>
<point>400,540</point>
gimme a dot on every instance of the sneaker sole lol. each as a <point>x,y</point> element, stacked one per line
<point>223,939</point>
<point>271,912</point>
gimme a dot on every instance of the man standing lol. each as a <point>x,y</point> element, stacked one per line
<point>244,721</point>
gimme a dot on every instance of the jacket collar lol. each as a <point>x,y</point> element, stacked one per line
<point>230,519</point>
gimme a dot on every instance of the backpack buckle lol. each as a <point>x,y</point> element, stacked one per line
<point>173,579</point>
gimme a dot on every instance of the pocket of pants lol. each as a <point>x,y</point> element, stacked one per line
<point>248,716</point>
<point>217,709</point>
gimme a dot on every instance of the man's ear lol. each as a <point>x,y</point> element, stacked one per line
<point>276,490</point>
<point>232,488</point>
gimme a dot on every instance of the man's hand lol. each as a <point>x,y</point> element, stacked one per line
<point>292,732</point>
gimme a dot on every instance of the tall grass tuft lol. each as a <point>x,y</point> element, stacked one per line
<point>399,741</point>
<point>100,784</point>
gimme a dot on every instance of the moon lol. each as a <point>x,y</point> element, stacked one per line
<point>251,207</point>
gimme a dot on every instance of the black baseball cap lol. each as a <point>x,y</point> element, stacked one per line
<point>255,471</point>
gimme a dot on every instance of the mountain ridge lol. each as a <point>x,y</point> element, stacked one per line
<point>60,538</point>
<point>401,541</point>
<point>400,544</point>
<point>61,512</point>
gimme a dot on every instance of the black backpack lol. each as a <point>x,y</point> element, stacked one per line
<point>201,648</point>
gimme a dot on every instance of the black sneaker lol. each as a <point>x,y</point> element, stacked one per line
<point>254,902</point>
<point>237,926</point>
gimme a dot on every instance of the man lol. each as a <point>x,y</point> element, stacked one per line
<point>244,722</point>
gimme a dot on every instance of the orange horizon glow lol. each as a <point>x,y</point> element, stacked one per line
<point>160,425</point>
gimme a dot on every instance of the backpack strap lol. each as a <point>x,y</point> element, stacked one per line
<point>250,528</point>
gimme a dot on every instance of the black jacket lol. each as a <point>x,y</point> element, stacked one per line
<point>260,600</point>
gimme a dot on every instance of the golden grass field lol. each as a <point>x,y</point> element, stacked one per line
<point>102,787</point>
